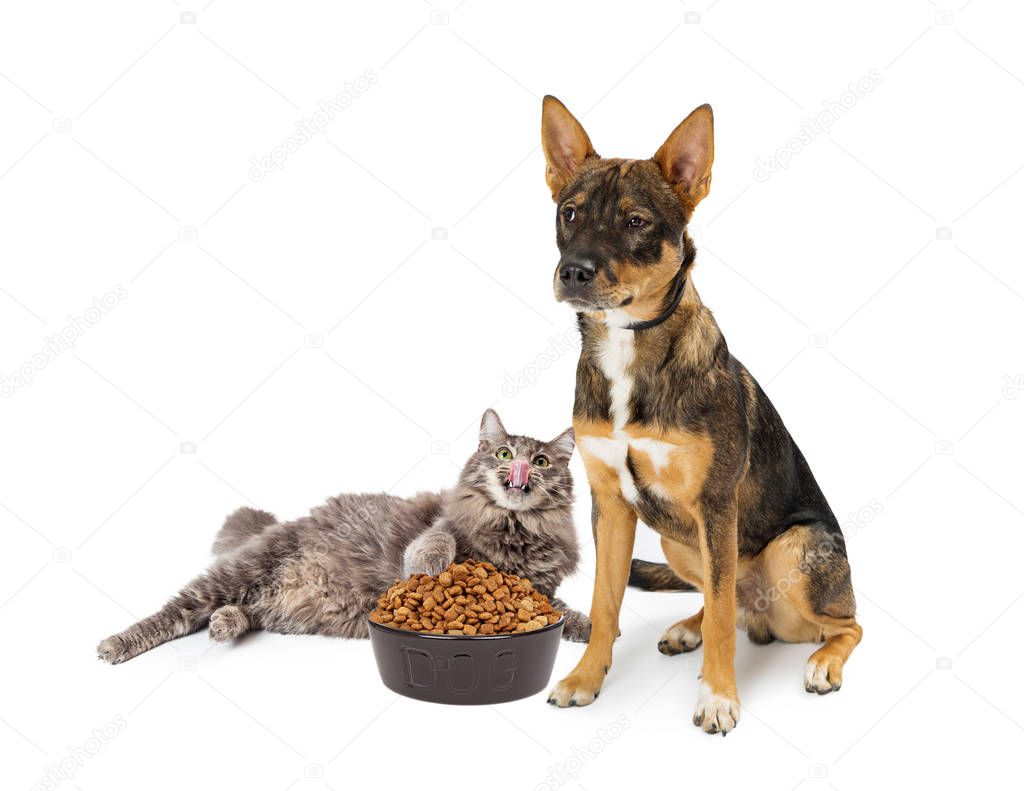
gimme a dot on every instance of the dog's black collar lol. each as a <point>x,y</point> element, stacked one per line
<point>678,288</point>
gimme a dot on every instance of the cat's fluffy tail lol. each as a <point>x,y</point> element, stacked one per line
<point>239,527</point>
<point>655,577</point>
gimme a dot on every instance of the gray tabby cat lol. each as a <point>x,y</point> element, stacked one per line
<point>322,574</point>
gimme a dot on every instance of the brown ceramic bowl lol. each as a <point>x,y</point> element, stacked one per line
<point>463,670</point>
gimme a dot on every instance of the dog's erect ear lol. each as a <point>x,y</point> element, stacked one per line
<point>563,444</point>
<point>491,430</point>
<point>685,158</point>
<point>565,144</point>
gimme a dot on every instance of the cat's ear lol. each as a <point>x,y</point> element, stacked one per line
<point>563,444</point>
<point>491,430</point>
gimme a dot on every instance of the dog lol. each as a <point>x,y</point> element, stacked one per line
<point>674,431</point>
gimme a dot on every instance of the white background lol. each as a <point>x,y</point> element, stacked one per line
<point>309,336</point>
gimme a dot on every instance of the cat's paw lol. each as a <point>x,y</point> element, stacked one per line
<point>227,623</point>
<point>113,650</point>
<point>432,563</point>
<point>577,627</point>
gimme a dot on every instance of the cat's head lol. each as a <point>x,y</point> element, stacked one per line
<point>519,473</point>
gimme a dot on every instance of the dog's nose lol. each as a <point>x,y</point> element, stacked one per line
<point>576,271</point>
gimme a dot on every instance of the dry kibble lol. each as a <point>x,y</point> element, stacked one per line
<point>467,598</point>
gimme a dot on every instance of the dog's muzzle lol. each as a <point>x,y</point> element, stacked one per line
<point>576,271</point>
<point>574,278</point>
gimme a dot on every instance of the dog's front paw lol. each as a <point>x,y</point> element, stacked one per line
<point>715,713</point>
<point>579,688</point>
<point>577,627</point>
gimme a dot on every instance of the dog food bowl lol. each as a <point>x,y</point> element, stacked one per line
<point>463,670</point>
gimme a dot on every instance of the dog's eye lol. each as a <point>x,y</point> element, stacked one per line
<point>504,454</point>
<point>636,221</point>
<point>569,214</point>
<point>542,461</point>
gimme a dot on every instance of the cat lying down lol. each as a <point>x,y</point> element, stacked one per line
<point>322,574</point>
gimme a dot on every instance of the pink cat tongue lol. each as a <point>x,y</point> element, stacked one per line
<point>519,474</point>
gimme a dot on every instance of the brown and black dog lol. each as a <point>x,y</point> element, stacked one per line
<point>675,432</point>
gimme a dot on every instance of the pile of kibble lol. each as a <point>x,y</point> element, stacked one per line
<point>467,598</point>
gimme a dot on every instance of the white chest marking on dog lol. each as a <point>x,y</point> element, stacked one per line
<point>612,451</point>
<point>615,359</point>
<point>656,450</point>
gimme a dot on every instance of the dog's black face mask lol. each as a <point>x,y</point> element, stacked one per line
<point>620,223</point>
<point>620,231</point>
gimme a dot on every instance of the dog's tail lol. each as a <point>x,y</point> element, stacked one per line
<point>655,577</point>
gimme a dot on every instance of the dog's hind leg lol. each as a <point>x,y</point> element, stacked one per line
<point>682,636</point>
<point>809,598</point>
<point>823,672</point>
<point>686,565</point>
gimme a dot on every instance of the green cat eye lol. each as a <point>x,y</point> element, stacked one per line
<point>542,461</point>
<point>504,454</point>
